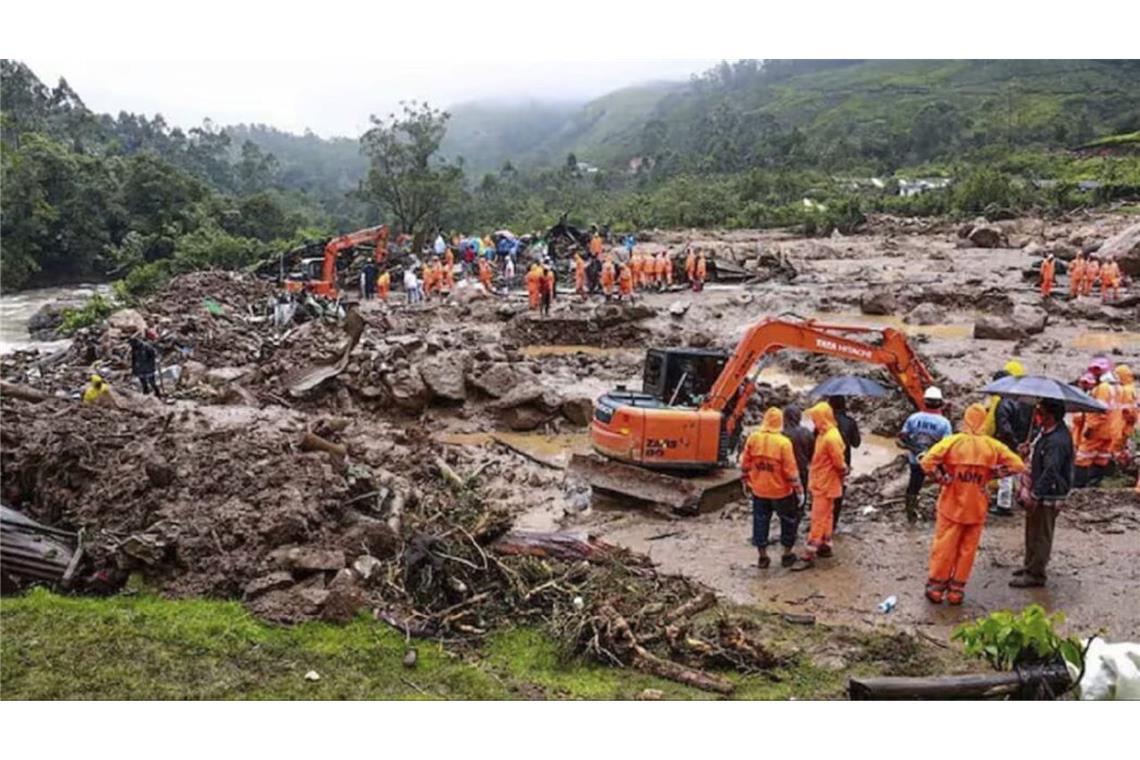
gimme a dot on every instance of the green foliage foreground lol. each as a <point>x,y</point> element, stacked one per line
<point>146,647</point>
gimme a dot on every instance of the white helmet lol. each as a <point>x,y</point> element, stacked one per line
<point>933,393</point>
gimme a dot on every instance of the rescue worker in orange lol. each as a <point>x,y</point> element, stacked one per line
<point>449,270</point>
<point>625,282</point>
<point>690,265</point>
<point>1076,274</point>
<point>1129,412</point>
<point>647,270</point>
<point>439,277</point>
<point>579,275</point>
<point>702,271</point>
<point>533,275</point>
<point>825,480</point>
<point>608,277</point>
<point>1092,274</point>
<point>1048,272</point>
<point>962,463</point>
<point>429,279</point>
<point>383,283</point>
<point>662,265</point>
<point>1110,280</point>
<point>596,245</point>
<point>635,263</point>
<point>545,289</point>
<point>485,273</point>
<point>668,269</point>
<point>772,481</point>
<point>1101,429</point>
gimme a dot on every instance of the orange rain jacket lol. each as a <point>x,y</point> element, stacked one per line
<point>827,468</point>
<point>1105,426</point>
<point>579,273</point>
<point>969,460</point>
<point>1127,395</point>
<point>702,268</point>
<point>768,462</point>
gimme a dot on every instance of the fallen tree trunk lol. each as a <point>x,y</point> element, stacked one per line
<point>1053,679</point>
<point>570,546</point>
<point>25,392</point>
<point>313,442</point>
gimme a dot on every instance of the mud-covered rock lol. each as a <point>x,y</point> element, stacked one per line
<point>1022,322</point>
<point>1125,247</point>
<point>309,559</point>
<point>496,381</point>
<point>678,308</point>
<point>278,579</point>
<point>988,236</point>
<point>924,314</point>
<point>578,410</point>
<point>49,317</point>
<point>443,375</point>
<point>878,302</point>
<point>407,389</point>
<point>523,418</point>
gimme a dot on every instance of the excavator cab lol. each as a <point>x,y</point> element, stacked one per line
<point>681,376</point>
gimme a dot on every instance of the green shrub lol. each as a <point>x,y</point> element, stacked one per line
<point>91,313</point>
<point>1007,640</point>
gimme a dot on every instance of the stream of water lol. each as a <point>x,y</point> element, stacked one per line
<point>17,308</point>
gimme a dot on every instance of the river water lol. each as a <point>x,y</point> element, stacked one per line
<point>17,308</point>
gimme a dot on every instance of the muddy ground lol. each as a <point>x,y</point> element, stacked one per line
<point>217,492</point>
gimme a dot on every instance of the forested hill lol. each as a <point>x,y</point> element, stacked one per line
<point>851,115</point>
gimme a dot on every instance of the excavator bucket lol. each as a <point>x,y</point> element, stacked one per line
<point>686,495</point>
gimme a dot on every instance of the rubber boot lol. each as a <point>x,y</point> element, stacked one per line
<point>935,590</point>
<point>956,593</point>
<point>1081,477</point>
<point>912,507</point>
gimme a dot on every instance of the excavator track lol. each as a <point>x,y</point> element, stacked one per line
<point>685,495</point>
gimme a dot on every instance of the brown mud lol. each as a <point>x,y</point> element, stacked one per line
<point>220,491</point>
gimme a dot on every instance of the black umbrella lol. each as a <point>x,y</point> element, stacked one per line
<point>1036,387</point>
<point>848,385</point>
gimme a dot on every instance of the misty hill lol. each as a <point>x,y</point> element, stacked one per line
<point>873,115</point>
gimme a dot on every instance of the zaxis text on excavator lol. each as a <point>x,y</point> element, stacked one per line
<point>674,442</point>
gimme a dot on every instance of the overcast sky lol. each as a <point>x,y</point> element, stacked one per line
<point>332,96</point>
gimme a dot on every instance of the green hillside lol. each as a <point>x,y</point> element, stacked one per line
<point>853,115</point>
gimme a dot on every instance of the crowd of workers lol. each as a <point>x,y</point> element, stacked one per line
<point>614,272</point>
<point>786,467</point>
<point>1084,274</point>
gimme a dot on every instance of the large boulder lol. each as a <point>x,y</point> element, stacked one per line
<point>579,410</point>
<point>924,314</point>
<point>496,381</point>
<point>126,322</point>
<point>443,374</point>
<point>1022,322</point>
<point>878,302</point>
<point>988,236</point>
<point>524,418</point>
<point>49,317</point>
<point>408,390</point>
<point>1125,247</point>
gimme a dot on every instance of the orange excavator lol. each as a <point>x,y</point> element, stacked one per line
<point>675,441</point>
<point>318,275</point>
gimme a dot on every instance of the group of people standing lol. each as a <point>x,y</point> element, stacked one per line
<point>1084,273</point>
<point>601,271</point>
<point>1023,446</point>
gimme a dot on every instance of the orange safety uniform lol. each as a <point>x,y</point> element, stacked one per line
<point>384,282</point>
<point>546,282</point>
<point>1076,275</point>
<point>1101,429</point>
<point>1110,280</point>
<point>608,277</point>
<point>1048,272</point>
<point>439,277</point>
<point>647,270</point>
<point>768,463</point>
<point>1129,412</point>
<point>635,269</point>
<point>690,265</point>
<point>485,274</point>
<point>579,275</point>
<point>963,463</point>
<point>1092,274</point>
<point>702,268</point>
<point>448,269</point>
<point>596,245</point>
<point>659,268</point>
<point>668,269</point>
<point>825,476</point>
<point>533,275</point>
<point>625,282</point>
<point>429,279</point>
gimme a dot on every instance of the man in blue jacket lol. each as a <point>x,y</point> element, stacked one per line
<point>921,431</point>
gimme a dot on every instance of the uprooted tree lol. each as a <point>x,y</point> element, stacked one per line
<point>406,178</point>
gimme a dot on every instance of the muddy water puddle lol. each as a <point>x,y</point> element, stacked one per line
<point>1106,340</point>
<point>551,450</point>
<point>539,351</point>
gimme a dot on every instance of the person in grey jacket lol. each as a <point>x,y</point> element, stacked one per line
<point>1051,477</point>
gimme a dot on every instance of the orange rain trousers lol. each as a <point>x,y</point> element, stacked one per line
<point>822,521</point>
<point>953,551</point>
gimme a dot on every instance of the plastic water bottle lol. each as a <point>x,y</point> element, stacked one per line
<point>888,604</point>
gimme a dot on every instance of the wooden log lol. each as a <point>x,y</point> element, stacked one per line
<point>969,686</point>
<point>560,545</point>
<point>697,604</point>
<point>313,442</point>
<point>25,392</point>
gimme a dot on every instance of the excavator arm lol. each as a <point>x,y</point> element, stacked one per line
<point>737,381</point>
<point>371,235</point>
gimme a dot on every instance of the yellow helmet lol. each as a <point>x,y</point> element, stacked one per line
<point>96,380</point>
<point>1013,367</point>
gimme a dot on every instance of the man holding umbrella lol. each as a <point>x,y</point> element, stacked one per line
<point>1051,477</point>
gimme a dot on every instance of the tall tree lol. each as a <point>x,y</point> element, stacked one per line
<point>406,177</point>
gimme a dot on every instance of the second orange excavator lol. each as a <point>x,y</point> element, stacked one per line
<point>318,275</point>
<point>675,441</point>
